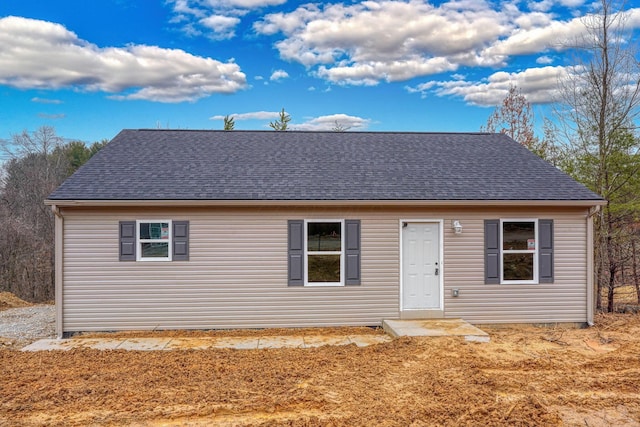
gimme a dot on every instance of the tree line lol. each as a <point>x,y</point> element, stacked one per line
<point>36,163</point>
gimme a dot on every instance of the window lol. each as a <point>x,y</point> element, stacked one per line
<point>324,253</point>
<point>518,251</point>
<point>154,240</point>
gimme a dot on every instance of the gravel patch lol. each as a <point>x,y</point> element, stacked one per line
<point>21,326</point>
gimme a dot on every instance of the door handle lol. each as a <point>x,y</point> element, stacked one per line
<point>437,271</point>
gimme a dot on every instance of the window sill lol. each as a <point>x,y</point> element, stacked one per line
<point>323,285</point>
<point>519,282</point>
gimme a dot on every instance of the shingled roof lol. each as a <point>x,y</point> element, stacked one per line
<point>296,166</point>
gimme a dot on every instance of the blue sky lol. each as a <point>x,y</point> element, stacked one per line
<point>92,68</point>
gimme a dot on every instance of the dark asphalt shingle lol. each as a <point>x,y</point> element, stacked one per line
<point>270,165</point>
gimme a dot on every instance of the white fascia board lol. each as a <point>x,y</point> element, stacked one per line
<point>441,203</point>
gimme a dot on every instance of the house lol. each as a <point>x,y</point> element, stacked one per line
<point>172,229</point>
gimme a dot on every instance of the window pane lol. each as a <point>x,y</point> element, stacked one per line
<point>324,268</point>
<point>323,236</point>
<point>154,230</point>
<point>518,267</point>
<point>518,235</point>
<point>155,250</point>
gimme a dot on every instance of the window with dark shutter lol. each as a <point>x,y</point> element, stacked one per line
<point>514,247</point>
<point>152,240</point>
<point>323,252</point>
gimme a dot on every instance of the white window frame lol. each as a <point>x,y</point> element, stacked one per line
<point>140,241</point>
<point>307,252</point>
<point>519,251</point>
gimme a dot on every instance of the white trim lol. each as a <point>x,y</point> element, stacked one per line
<point>307,253</point>
<point>315,203</point>
<point>59,269</point>
<point>591,304</point>
<point>139,241</point>
<point>536,253</point>
<point>440,223</point>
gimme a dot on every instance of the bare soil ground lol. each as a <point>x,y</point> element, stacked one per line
<point>524,376</point>
<point>9,300</point>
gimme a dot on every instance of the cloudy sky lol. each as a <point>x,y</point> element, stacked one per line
<point>92,68</point>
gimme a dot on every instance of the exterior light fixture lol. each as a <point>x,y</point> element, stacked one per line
<point>456,226</point>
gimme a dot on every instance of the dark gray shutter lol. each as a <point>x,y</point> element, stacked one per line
<point>127,240</point>
<point>180,241</point>
<point>545,251</point>
<point>296,252</point>
<point>352,251</point>
<point>491,251</point>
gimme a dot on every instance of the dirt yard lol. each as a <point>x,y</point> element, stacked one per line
<point>524,376</point>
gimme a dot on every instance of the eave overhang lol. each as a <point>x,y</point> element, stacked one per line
<point>256,203</point>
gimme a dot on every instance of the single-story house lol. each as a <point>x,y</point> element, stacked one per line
<point>181,229</point>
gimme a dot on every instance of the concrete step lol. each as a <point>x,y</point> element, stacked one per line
<point>434,328</point>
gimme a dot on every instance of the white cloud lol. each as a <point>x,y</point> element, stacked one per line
<point>255,115</point>
<point>380,31</point>
<point>45,100</point>
<point>544,60</point>
<point>40,54</point>
<point>333,121</point>
<point>369,74</point>
<point>555,35</point>
<point>222,26</point>
<point>183,7</point>
<point>216,19</point>
<point>539,85</point>
<point>278,75</point>
<point>367,42</point>
<point>385,40</point>
<point>245,4</point>
<point>546,5</point>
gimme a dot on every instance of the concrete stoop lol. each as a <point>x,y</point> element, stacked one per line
<point>434,328</point>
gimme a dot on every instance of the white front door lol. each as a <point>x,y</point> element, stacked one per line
<point>420,266</point>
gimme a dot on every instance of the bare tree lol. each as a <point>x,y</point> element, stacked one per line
<point>601,97</point>
<point>44,140</point>
<point>513,117</point>
<point>339,127</point>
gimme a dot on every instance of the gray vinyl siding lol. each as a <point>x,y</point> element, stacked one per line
<point>564,300</point>
<point>236,276</point>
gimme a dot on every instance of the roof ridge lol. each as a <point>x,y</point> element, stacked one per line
<point>314,131</point>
